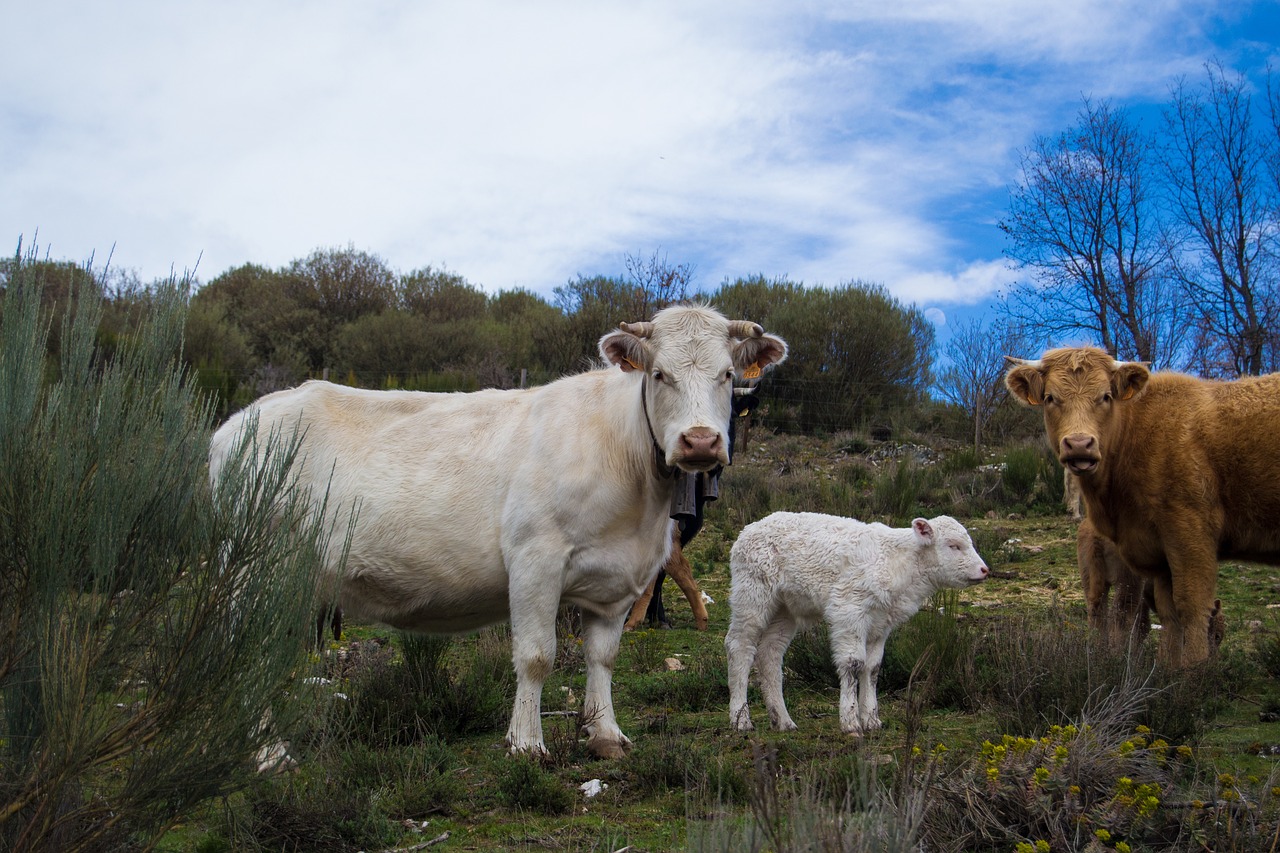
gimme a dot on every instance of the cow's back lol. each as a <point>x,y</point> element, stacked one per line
<point>1197,449</point>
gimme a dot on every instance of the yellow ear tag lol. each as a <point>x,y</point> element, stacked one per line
<point>752,372</point>
<point>634,366</point>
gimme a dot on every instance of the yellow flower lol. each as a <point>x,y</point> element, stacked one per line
<point>1226,780</point>
<point>1042,846</point>
<point>1041,775</point>
<point>1275,792</point>
<point>1023,847</point>
<point>1143,730</point>
<point>1184,751</point>
<point>1074,790</point>
<point>1122,847</point>
<point>1102,835</point>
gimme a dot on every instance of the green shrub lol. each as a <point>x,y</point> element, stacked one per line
<point>525,784</point>
<point>150,626</point>
<point>442,685</point>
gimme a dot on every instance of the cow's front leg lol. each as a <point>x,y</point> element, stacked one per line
<point>533,652</point>
<point>1194,572</point>
<point>601,635</point>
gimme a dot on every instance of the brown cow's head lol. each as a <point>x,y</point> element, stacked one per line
<point>690,355</point>
<point>1081,390</point>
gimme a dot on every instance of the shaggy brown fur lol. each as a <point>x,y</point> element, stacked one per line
<point>1127,614</point>
<point>1179,472</point>
<point>680,570</point>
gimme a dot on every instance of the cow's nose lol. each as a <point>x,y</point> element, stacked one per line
<point>1078,443</point>
<point>700,443</point>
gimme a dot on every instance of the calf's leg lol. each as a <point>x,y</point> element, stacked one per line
<point>849,652</point>
<point>769,655</point>
<point>868,701</point>
<point>740,642</point>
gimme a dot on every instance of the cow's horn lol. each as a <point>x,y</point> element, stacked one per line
<point>1015,362</point>
<point>745,329</point>
<point>640,330</point>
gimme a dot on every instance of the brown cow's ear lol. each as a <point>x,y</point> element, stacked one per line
<point>625,350</point>
<point>1128,379</point>
<point>1026,383</point>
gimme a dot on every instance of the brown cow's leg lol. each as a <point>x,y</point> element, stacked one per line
<point>1162,595</point>
<point>1093,577</point>
<point>642,604</point>
<point>679,569</point>
<point>1194,571</point>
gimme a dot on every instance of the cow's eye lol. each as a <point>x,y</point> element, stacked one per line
<point>658,376</point>
<point>1048,399</point>
<point>1106,398</point>
<point>728,376</point>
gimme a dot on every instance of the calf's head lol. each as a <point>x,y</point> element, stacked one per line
<point>945,546</point>
<point>1082,391</point>
<point>689,356</point>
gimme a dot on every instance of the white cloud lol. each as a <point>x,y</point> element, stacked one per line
<point>520,144</point>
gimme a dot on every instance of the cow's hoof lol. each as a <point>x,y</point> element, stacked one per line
<point>609,747</point>
<point>275,759</point>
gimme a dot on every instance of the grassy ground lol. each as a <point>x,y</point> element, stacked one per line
<point>690,782</point>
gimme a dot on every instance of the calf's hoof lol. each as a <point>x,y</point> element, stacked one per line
<point>741,721</point>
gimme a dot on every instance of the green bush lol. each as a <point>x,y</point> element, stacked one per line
<point>150,630</point>
<point>526,785</point>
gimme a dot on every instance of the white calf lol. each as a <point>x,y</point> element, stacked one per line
<point>793,569</point>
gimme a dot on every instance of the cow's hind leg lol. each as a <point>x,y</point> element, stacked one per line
<point>601,635</point>
<point>682,573</point>
<point>641,606</point>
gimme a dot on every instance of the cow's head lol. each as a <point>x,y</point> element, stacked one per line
<point>689,356</point>
<point>1083,392</point>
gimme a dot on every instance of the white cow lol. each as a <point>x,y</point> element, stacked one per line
<point>475,508</point>
<point>793,569</point>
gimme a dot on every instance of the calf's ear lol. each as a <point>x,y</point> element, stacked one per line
<point>1025,381</point>
<point>923,530</point>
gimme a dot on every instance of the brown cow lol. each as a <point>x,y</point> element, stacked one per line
<point>1127,614</point>
<point>1179,472</point>
<point>680,570</point>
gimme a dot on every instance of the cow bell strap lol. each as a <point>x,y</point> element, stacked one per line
<point>665,471</point>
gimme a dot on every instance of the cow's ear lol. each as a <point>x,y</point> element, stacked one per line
<point>625,350</point>
<point>1025,382</point>
<point>923,530</point>
<point>752,355</point>
<point>1128,379</point>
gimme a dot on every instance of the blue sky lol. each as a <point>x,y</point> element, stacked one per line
<point>520,144</point>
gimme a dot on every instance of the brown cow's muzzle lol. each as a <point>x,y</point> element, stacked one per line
<point>1079,452</point>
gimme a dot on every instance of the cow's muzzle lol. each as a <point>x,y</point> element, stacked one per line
<point>701,449</point>
<point>1079,453</point>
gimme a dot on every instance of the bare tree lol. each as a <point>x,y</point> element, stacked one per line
<point>659,282</point>
<point>974,376</point>
<point>1216,161</point>
<point>1084,222</point>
